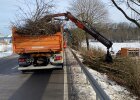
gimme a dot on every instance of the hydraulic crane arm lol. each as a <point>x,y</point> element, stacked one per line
<point>91,31</point>
<point>84,27</point>
<point>87,29</point>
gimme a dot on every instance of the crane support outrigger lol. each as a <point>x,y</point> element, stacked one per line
<point>92,31</point>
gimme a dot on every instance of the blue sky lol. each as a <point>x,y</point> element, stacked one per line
<point>8,10</point>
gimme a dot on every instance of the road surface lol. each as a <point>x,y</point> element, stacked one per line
<point>39,85</point>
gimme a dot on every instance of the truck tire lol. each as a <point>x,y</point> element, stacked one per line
<point>27,62</point>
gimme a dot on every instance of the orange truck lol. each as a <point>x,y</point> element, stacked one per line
<point>36,52</point>
<point>41,50</point>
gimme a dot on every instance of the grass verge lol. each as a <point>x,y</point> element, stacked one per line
<point>125,71</point>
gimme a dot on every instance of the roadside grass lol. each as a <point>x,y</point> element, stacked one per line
<point>125,71</point>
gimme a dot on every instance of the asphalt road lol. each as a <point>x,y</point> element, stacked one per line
<point>38,85</point>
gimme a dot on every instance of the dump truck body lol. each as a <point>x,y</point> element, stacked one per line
<point>38,51</point>
<point>33,44</point>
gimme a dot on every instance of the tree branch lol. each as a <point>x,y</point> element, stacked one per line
<point>130,19</point>
<point>135,2</point>
<point>132,8</point>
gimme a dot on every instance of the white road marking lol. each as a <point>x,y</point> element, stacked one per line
<point>65,81</point>
<point>15,67</point>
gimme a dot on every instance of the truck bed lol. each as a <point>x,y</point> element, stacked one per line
<point>39,43</point>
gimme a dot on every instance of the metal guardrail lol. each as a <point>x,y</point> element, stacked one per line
<point>100,94</point>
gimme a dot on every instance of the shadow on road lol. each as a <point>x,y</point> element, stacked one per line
<point>34,87</point>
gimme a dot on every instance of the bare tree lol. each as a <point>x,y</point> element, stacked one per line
<point>134,7</point>
<point>33,20</point>
<point>89,11</point>
<point>42,8</point>
<point>120,32</point>
<point>34,11</point>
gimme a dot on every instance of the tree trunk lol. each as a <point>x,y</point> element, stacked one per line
<point>87,41</point>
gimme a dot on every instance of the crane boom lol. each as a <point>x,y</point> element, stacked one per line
<point>92,31</point>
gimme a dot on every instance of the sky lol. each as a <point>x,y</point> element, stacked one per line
<point>9,9</point>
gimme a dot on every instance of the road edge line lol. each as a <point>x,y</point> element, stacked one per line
<point>65,80</point>
<point>15,67</point>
